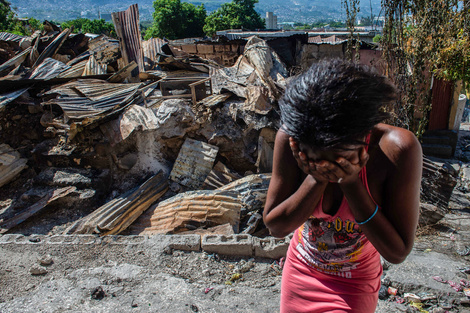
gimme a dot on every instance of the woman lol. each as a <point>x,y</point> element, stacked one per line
<point>347,184</point>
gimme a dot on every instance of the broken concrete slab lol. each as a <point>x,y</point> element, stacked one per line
<point>193,152</point>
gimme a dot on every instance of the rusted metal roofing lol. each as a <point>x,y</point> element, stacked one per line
<point>152,48</point>
<point>190,210</point>
<point>194,163</point>
<point>53,47</point>
<point>92,67</point>
<point>103,103</point>
<point>127,28</point>
<point>74,71</point>
<point>116,215</point>
<point>333,40</point>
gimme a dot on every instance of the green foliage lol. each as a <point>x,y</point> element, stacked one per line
<point>352,8</point>
<point>174,19</point>
<point>10,23</point>
<point>377,38</point>
<point>422,36</point>
<point>7,16</point>
<point>234,15</point>
<point>367,21</point>
<point>84,25</point>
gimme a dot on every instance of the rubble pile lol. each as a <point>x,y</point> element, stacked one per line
<point>97,131</point>
<point>109,136</point>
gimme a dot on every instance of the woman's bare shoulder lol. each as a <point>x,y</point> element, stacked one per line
<point>399,144</point>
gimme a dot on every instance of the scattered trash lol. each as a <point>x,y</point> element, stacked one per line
<point>392,291</point>
<point>208,289</point>
<point>411,297</point>
<point>466,291</point>
<point>464,251</point>
<point>419,306</point>
<point>383,292</point>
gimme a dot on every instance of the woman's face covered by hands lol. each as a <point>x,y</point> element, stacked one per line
<point>337,165</point>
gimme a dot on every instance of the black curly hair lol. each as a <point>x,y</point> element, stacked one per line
<point>334,103</point>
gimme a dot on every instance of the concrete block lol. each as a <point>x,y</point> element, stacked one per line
<point>219,48</point>
<point>192,49</point>
<point>88,239</point>
<point>61,239</point>
<point>11,238</point>
<point>123,240</point>
<point>271,247</point>
<point>205,49</point>
<point>185,242</point>
<point>238,244</point>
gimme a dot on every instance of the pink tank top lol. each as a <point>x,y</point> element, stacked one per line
<point>335,245</point>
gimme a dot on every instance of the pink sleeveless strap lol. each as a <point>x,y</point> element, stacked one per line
<point>363,172</point>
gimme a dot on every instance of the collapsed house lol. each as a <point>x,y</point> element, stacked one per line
<point>105,136</point>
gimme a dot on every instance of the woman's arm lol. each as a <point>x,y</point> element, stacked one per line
<point>392,229</point>
<point>288,205</point>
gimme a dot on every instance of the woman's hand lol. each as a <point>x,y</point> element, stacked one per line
<point>307,166</point>
<point>340,171</point>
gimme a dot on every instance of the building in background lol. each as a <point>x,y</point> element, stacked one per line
<point>271,20</point>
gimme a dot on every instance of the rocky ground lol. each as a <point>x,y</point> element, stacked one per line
<point>143,274</point>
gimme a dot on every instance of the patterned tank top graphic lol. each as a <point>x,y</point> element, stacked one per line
<point>332,245</point>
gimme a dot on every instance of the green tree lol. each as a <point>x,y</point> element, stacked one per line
<point>234,15</point>
<point>174,19</point>
<point>84,25</point>
<point>7,16</point>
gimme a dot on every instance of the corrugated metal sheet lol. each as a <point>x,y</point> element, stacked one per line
<point>10,96</point>
<point>192,209</point>
<point>81,111</point>
<point>10,37</point>
<point>332,40</point>
<point>14,62</point>
<point>441,100</point>
<point>75,71</point>
<point>48,69</point>
<point>194,163</point>
<point>220,176</point>
<point>53,47</point>
<point>116,215</point>
<point>152,48</point>
<point>92,67</point>
<point>127,28</point>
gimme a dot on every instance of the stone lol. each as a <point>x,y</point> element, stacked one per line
<point>37,270</point>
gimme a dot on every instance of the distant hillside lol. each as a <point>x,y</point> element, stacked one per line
<point>287,10</point>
